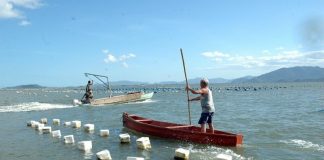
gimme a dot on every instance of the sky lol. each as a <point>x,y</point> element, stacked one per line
<point>53,43</point>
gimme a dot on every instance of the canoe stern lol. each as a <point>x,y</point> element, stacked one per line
<point>239,140</point>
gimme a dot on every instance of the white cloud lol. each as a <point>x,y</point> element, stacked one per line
<point>217,56</point>
<point>24,23</point>
<point>110,58</point>
<point>8,8</point>
<point>281,59</point>
<point>128,56</point>
<point>31,4</point>
<point>106,51</point>
<point>125,64</point>
<point>121,59</point>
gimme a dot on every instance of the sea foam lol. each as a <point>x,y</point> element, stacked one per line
<point>212,152</point>
<point>304,144</point>
<point>32,106</point>
<point>145,101</point>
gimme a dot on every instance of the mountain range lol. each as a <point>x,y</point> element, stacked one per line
<point>31,86</point>
<point>292,74</point>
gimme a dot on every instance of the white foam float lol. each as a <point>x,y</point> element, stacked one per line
<point>104,132</point>
<point>69,139</point>
<point>56,121</point>
<point>89,127</point>
<point>46,129</point>
<point>56,134</point>
<point>85,145</point>
<point>67,123</point>
<point>43,120</point>
<point>76,124</point>
<point>181,153</point>
<point>31,122</point>
<point>104,155</point>
<point>143,143</point>
<point>39,126</point>
<point>35,124</point>
<point>124,138</point>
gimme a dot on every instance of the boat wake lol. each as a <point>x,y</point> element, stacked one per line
<point>32,106</point>
<point>304,144</point>
<point>212,152</point>
<point>141,102</point>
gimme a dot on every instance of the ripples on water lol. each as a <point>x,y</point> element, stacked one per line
<point>304,144</point>
<point>284,122</point>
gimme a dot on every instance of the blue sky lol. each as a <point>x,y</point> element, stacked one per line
<point>53,43</point>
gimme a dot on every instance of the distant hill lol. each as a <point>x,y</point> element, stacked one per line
<point>197,81</point>
<point>293,74</point>
<point>127,83</point>
<point>242,79</point>
<point>28,86</point>
<point>169,82</point>
<point>218,80</point>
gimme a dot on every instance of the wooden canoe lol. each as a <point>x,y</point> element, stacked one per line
<point>181,132</point>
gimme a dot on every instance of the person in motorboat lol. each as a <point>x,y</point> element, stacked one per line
<point>88,96</point>
<point>89,86</point>
<point>207,104</point>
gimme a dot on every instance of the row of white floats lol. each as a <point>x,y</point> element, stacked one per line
<point>142,143</point>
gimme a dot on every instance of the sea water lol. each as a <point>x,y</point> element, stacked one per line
<point>278,121</point>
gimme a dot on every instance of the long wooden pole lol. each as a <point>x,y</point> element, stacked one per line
<point>185,73</point>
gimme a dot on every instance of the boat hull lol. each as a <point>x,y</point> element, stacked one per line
<point>132,97</point>
<point>180,132</point>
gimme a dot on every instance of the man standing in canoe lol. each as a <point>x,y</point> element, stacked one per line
<point>207,104</point>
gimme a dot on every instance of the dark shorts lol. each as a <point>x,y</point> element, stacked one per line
<point>206,118</point>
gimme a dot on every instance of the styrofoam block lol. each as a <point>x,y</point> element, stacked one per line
<point>182,153</point>
<point>89,127</point>
<point>56,134</point>
<point>67,123</point>
<point>43,120</point>
<point>135,158</point>
<point>104,155</point>
<point>124,138</point>
<point>39,126</point>
<point>69,139</point>
<point>85,145</point>
<point>34,124</point>
<point>46,129</point>
<point>31,123</point>
<point>143,143</point>
<point>104,132</point>
<point>224,157</point>
<point>56,121</point>
<point>76,124</point>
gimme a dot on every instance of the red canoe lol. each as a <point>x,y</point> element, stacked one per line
<point>180,132</point>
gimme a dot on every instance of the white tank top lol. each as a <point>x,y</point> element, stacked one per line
<point>207,104</point>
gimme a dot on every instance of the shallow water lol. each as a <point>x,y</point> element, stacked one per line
<point>277,123</point>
